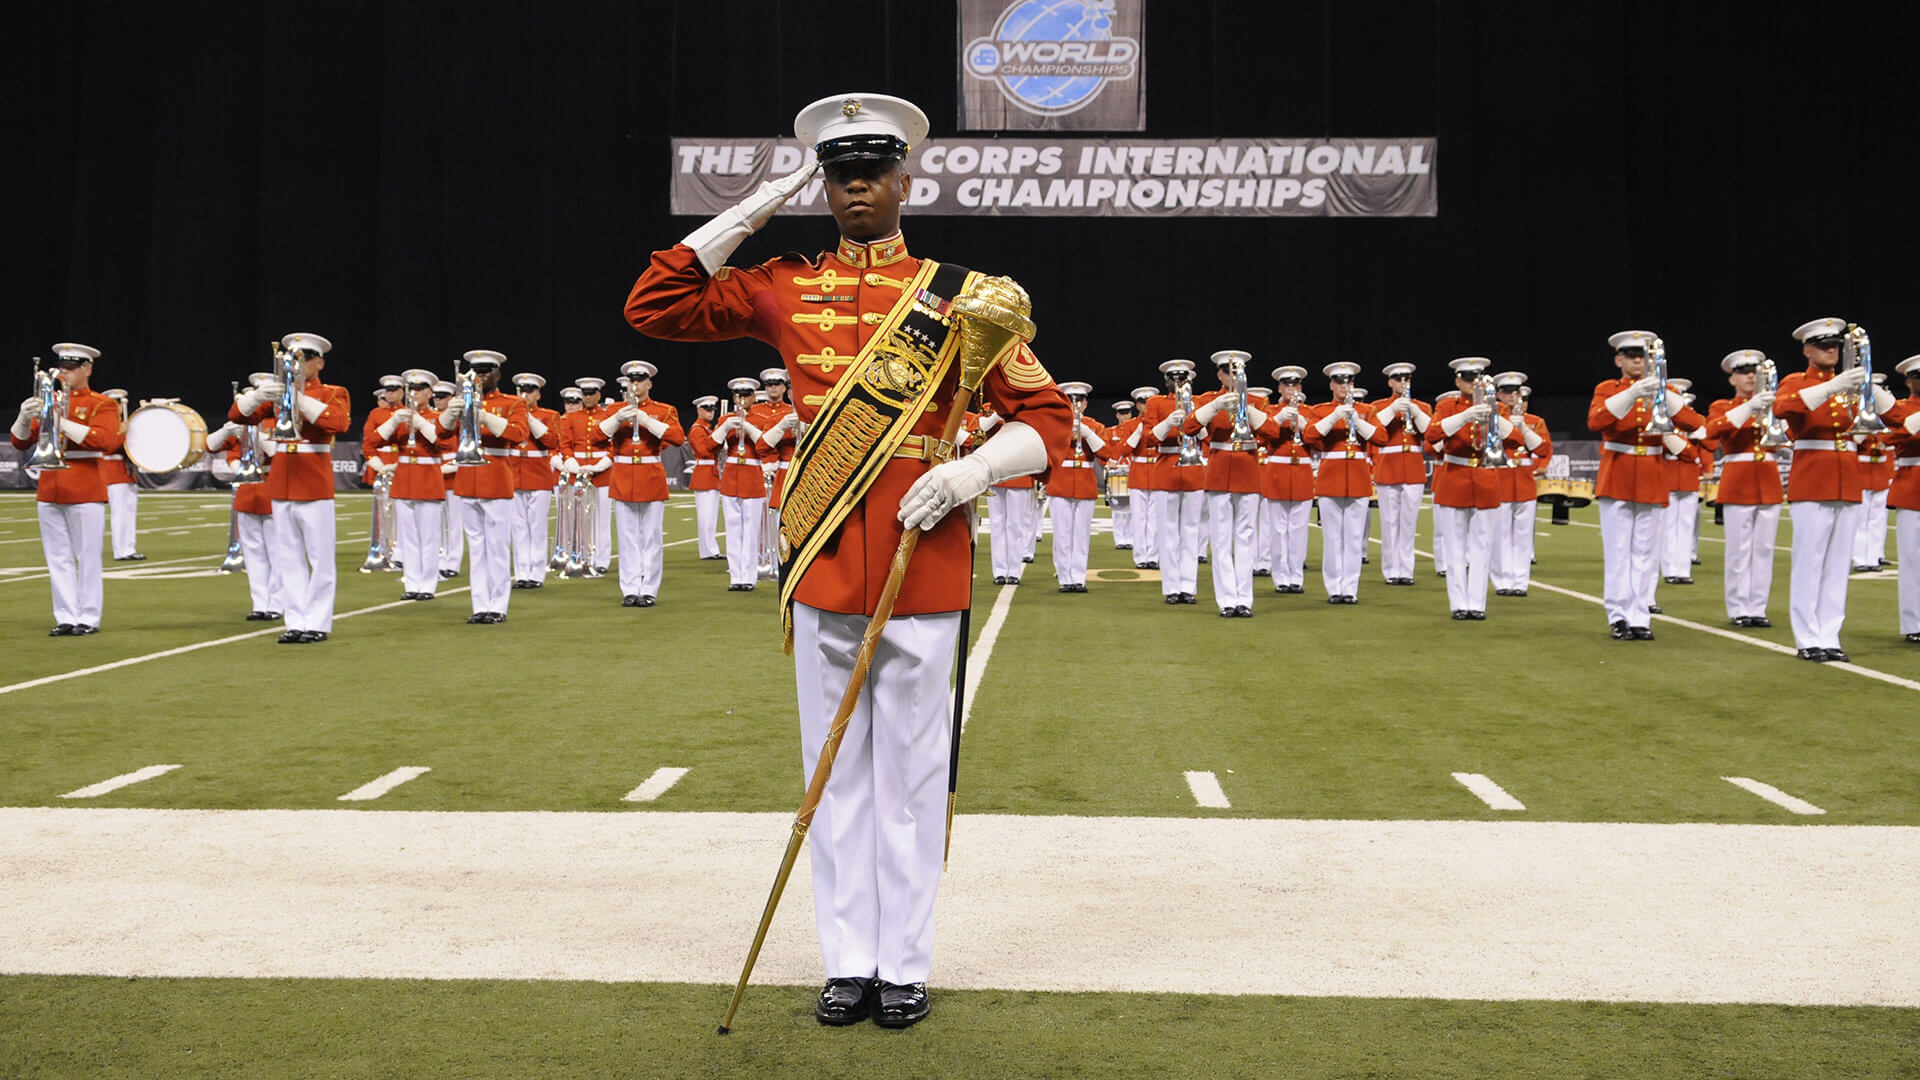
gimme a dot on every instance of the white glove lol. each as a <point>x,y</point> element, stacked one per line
<point>404,414</point>
<point>1913,423</point>
<point>1761,400</point>
<point>424,426</point>
<point>534,427</point>
<point>493,424</point>
<point>219,436</point>
<point>384,468</point>
<point>75,431</point>
<point>987,420</point>
<point>731,421</point>
<point>1206,413</point>
<point>596,467</point>
<point>1850,379</point>
<point>570,467</point>
<point>31,409</point>
<point>248,401</point>
<point>1255,417</point>
<point>654,425</point>
<point>1017,451</point>
<point>1674,442</point>
<point>448,468</point>
<point>1505,425</point>
<point>389,426</point>
<point>1646,386</point>
<point>1882,400</point>
<point>715,240</point>
<point>1290,414</point>
<point>450,412</point>
<point>752,432</point>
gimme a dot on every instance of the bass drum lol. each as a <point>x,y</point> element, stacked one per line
<point>165,436</point>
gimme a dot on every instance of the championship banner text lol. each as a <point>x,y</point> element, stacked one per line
<point>1099,177</point>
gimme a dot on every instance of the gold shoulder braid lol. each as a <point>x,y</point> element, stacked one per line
<point>866,417</point>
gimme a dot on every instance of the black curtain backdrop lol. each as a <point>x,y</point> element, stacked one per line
<point>417,179</point>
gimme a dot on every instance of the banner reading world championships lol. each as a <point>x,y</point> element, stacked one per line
<point>1100,177</point>
<point>1052,65</point>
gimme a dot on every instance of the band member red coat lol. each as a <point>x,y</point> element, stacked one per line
<point>1227,469</point>
<point>1519,481</point>
<point>583,441</point>
<point>1348,477</point>
<point>1749,475</point>
<point>250,498</point>
<point>781,302</point>
<point>1683,469</point>
<point>80,481</point>
<point>1876,473</point>
<point>371,445</point>
<point>765,417</point>
<point>1400,456</point>
<point>417,474</point>
<point>1637,474</point>
<point>532,459</point>
<point>1142,455</point>
<point>706,458</point>
<point>1463,485</point>
<point>1168,474</point>
<point>1074,477</point>
<point>113,464</point>
<point>303,470</point>
<point>740,474</point>
<point>494,479</point>
<point>1905,493</point>
<point>1828,473</point>
<point>1286,475</point>
<point>642,480</point>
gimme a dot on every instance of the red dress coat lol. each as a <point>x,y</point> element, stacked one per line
<point>1074,477</point>
<point>302,470</point>
<point>533,458</point>
<point>1749,474</point>
<point>1632,462</point>
<point>1400,456</point>
<point>1345,471</point>
<point>1905,493</point>
<point>1826,464</point>
<point>706,458</point>
<point>1463,482</point>
<point>80,481</point>
<point>493,479</point>
<point>638,475</point>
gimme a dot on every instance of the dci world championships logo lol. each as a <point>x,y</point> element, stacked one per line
<point>1051,57</point>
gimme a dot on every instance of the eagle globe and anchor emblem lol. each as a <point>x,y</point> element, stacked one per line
<point>1052,57</point>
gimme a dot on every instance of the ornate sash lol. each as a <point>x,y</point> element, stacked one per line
<point>866,417</point>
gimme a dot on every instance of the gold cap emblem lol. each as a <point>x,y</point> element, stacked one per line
<point>850,106</point>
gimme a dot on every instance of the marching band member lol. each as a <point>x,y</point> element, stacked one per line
<point>300,486</point>
<point>419,445</point>
<point>1286,480</point>
<point>453,524</point>
<point>388,394</point>
<point>123,493</point>
<point>1258,397</point>
<point>779,428</point>
<point>1116,458</point>
<point>877,836</point>
<point>253,511</point>
<point>1340,431</point>
<point>594,452</point>
<point>639,428</point>
<point>743,487</point>
<point>1876,479</point>
<point>1400,472</point>
<point>1680,521</point>
<point>533,480</point>
<point>1232,487</point>
<point>704,475</point>
<point>485,491</point>
<point>1071,495</point>
<point>1903,434</point>
<point>1180,493</point>
<point>1467,493</point>
<point>72,502</point>
<point>1632,486</point>
<point>1750,493</point>
<point>1824,486</point>
<point>1510,568</point>
<point>1143,482</point>
<point>1441,524</point>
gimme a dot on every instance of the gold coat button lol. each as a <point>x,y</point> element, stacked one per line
<point>873,318</point>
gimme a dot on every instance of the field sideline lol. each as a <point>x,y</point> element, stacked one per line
<point>1362,746</point>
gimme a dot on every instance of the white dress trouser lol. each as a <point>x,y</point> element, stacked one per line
<point>420,523</point>
<point>879,836</point>
<point>603,528</point>
<point>1470,532</point>
<point>1682,525</point>
<point>642,546</point>
<point>530,540</point>
<point>1906,524</point>
<point>489,528</point>
<point>1868,548</point>
<point>70,537</point>
<point>1122,516</point>
<point>1748,577</point>
<point>743,518</point>
<point>1510,525</point>
<point>1629,536</point>
<point>1287,522</point>
<point>1442,534</point>
<point>302,552</point>
<point>1179,528</point>
<point>1072,538</point>
<point>453,534</point>
<point>1343,539</point>
<point>1233,520</point>
<point>1204,540</point>
<point>1145,527</point>
<point>123,516</point>
<point>770,538</point>
<point>1007,529</point>
<point>1262,537</point>
<point>706,518</point>
<point>1823,534</point>
<point>1399,517</point>
<point>264,588</point>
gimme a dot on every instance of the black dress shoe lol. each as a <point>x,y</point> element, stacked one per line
<point>1228,613</point>
<point>519,583</point>
<point>1262,573</point>
<point>1189,598</point>
<point>1203,560</point>
<point>449,575</point>
<point>1818,656</point>
<point>645,601</point>
<point>1759,621</point>
<point>1696,560</point>
<point>1641,633</point>
<point>1740,620</point>
<point>1656,609</point>
<point>1013,581</point>
<point>1477,616</point>
<point>900,1006</point>
<point>1837,656</point>
<point>65,629</point>
<point>1913,638</point>
<point>1297,589</point>
<point>1618,628</point>
<point>1170,598</point>
<point>135,557</point>
<point>1123,547</point>
<point>273,616</point>
<point>630,600</point>
<point>532,584</point>
<point>1516,592</point>
<point>843,1002</point>
<point>292,637</point>
<point>1500,592</point>
<point>1683,581</point>
<point>478,618</point>
<point>1459,616</point>
<point>256,616</point>
<point>1150,566</point>
<point>1349,599</point>
<point>1243,611</point>
<point>1081,587</point>
<point>1026,558</point>
<point>1439,573</point>
<point>310,637</point>
<point>1333,600</point>
<point>494,618</point>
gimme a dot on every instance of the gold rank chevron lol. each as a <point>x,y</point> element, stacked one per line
<point>825,319</point>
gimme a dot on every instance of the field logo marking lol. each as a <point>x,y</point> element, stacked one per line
<point>375,788</point>
<point>1489,792</point>
<point>118,782</point>
<point>654,786</point>
<point>1774,795</point>
<point>1206,791</point>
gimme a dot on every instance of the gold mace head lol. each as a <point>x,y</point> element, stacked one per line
<point>994,315</point>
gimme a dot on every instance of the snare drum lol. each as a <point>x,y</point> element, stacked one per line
<point>165,436</point>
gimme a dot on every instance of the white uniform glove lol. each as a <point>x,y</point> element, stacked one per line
<point>31,409</point>
<point>1674,442</point>
<point>424,426</point>
<point>1255,417</point>
<point>987,420</point>
<point>654,425</point>
<point>715,240</point>
<point>597,466</point>
<point>385,468</point>
<point>535,428</point>
<point>450,412</point>
<point>404,414</point>
<point>247,401</point>
<point>389,426</point>
<point>1882,399</point>
<point>1290,415</point>
<point>1017,451</point>
<point>218,437</point>
<point>1913,423</point>
<point>493,424</point>
<point>1206,413</point>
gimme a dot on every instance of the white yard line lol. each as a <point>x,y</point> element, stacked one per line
<point>1206,791</point>
<point>1774,795</point>
<point>118,782</point>
<point>654,786</point>
<point>198,645</point>
<point>1506,910</point>
<point>982,650</point>
<point>1488,792</point>
<point>375,788</point>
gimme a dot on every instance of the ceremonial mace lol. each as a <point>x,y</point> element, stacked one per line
<point>993,315</point>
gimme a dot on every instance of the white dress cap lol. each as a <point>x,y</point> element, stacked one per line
<point>483,356</point>
<point>760,397</point>
<point>773,375</point>
<point>743,385</point>
<point>1469,365</point>
<point>1908,366</point>
<point>1124,405</point>
<point>75,351</point>
<point>1879,379</point>
<point>1682,385</point>
<point>638,367</point>
<point>1227,356</point>
<point>444,387</point>
<point>591,382</point>
<point>419,375</point>
<point>116,394</point>
<point>1631,339</point>
<point>259,377</point>
<point>569,393</point>
<point>707,402</point>
<point>1507,379</point>
<point>1392,371</point>
<point>1819,328</point>
<point>392,382</point>
<point>1341,367</point>
<point>1142,393</point>
<point>860,126</point>
<point>1290,371</point>
<point>1260,392</point>
<point>1741,358</point>
<point>1359,393</point>
<point>1183,367</point>
<point>312,343</point>
<point>1083,389</point>
<point>1438,398</point>
<point>528,378</point>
